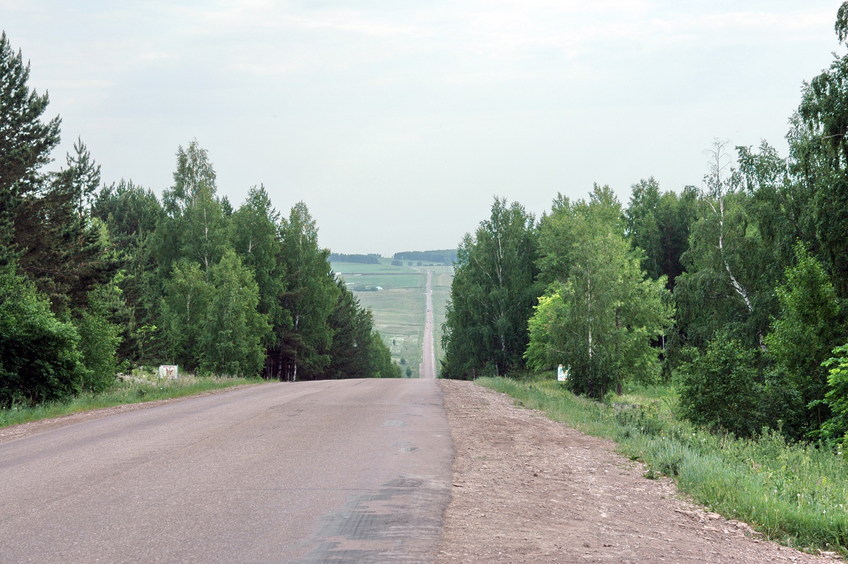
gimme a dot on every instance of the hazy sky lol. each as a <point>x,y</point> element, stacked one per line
<point>397,121</point>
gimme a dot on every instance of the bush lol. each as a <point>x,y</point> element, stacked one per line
<point>39,358</point>
<point>836,398</point>
<point>100,338</point>
<point>98,342</point>
<point>720,388</point>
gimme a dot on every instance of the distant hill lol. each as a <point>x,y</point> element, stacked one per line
<point>364,259</point>
<point>443,256</point>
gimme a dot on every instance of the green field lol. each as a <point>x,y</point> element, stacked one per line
<point>362,268</point>
<point>399,307</point>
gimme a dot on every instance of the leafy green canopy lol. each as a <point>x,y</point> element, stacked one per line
<point>600,313</point>
<point>492,295</point>
<point>39,359</point>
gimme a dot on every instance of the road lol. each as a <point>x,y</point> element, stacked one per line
<point>341,471</point>
<point>428,358</point>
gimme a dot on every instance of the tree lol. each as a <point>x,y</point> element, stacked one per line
<point>779,205</point>
<point>194,173</point>
<point>26,141</point>
<point>301,350</point>
<point>58,244</point>
<point>234,331</point>
<point>808,328</point>
<point>100,337</point>
<point>643,226</point>
<point>659,225</point>
<point>257,240</point>
<point>492,295</point>
<point>819,147</point>
<point>184,314</point>
<point>194,222</point>
<point>131,214</point>
<point>730,272</point>
<point>351,352</point>
<point>599,313</point>
<point>381,359</point>
<point>203,229</point>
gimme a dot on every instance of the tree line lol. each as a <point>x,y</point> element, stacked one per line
<point>736,291</point>
<point>94,278</point>
<point>443,256</point>
<point>356,258</point>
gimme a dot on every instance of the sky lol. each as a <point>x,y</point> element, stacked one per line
<point>399,121</point>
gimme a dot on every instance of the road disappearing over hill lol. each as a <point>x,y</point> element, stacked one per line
<point>342,471</point>
<point>428,358</point>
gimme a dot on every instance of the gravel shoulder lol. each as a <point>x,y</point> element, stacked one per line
<point>528,489</point>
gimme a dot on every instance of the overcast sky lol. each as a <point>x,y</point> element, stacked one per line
<point>397,121</point>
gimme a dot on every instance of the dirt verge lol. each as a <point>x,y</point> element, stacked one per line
<point>527,489</point>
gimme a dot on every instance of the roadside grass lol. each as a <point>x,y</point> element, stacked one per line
<point>792,493</point>
<point>139,389</point>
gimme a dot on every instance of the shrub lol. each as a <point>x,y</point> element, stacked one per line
<point>39,358</point>
<point>836,398</point>
<point>720,388</point>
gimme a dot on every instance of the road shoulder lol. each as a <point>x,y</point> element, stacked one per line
<point>528,489</point>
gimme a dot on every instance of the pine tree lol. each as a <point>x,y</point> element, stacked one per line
<point>25,140</point>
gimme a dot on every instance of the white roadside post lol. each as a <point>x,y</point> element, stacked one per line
<point>562,373</point>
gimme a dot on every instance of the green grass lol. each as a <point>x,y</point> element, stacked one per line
<point>387,280</point>
<point>139,390</point>
<point>362,268</point>
<point>793,493</point>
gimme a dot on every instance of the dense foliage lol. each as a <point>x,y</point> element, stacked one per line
<point>361,259</point>
<point>94,277</point>
<point>734,292</point>
<point>493,293</point>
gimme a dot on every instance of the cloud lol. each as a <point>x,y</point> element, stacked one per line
<point>154,56</point>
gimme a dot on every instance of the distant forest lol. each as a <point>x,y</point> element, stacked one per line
<point>444,256</point>
<point>362,259</point>
<point>95,279</point>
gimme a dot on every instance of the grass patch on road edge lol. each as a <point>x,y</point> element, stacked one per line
<point>792,493</point>
<point>138,390</point>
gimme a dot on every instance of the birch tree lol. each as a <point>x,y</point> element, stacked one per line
<point>600,311</point>
<point>492,295</point>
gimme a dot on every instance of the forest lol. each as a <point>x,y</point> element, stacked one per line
<point>444,256</point>
<point>97,279</point>
<point>734,292</point>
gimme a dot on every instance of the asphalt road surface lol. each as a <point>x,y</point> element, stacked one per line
<point>332,471</point>
<point>428,358</point>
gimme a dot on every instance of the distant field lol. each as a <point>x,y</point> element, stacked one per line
<point>360,268</point>
<point>387,280</point>
<point>399,308</point>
